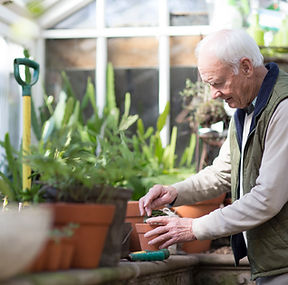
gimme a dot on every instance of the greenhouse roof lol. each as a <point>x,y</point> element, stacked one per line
<point>44,13</point>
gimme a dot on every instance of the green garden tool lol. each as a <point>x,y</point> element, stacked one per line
<point>26,95</point>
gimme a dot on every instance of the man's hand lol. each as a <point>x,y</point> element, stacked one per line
<point>171,230</point>
<point>158,196</point>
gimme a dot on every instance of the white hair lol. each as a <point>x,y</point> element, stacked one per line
<point>230,46</point>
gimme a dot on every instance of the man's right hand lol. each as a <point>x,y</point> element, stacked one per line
<point>157,196</point>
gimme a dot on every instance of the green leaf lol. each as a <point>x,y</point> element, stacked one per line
<point>158,147</point>
<point>68,111</point>
<point>148,132</point>
<point>91,94</point>
<point>75,116</point>
<point>127,104</point>
<point>187,156</point>
<point>173,147</point>
<point>126,123</point>
<point>112,119</point>
<point>110,89</point>
<point>140,127</point>
<point>184,157</point>
<point>48,128</point>
<point>6,188</point>
<point>162,117</point>
<point>60,110</point>
<point>67,88</point>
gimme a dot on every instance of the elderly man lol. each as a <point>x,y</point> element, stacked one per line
<point>252,162</point>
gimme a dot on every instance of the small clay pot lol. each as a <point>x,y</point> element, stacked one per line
<point>133,216</point>
<point>143,228</point>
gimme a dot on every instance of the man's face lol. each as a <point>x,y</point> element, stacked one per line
<point>224,83</point>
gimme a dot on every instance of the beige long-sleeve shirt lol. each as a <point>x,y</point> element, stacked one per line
<point>264,200</point>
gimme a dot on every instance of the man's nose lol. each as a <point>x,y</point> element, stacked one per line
<point>215,93</point>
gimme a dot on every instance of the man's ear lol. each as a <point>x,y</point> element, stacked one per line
<point>246,67</point>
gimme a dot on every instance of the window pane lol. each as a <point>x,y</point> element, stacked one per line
<point>131,13</point>
<point>135,61</point>
<point>178,76</point>
<point>133,52</point>
<point>10,95</point>
<point>77,58</point>
<point>142,83</point>
<point>182,50</point>
<point>183,65</point>
<point>71,53</point>
<point>188,12</point>
<point>83,18</point>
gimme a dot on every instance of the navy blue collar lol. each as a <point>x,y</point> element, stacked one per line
<point>262,99</point>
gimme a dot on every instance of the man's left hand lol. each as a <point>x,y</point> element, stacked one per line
<point>171,230</point>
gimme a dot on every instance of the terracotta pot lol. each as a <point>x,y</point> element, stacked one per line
<point>194,211</point>
<point>53,256</point>
<point>68,248</point>
<point>141,229</point>
<point>215,201</point>
<point>94,221</point>
<point>133,217</point>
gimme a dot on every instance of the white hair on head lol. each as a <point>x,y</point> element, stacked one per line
<point>230,46</point>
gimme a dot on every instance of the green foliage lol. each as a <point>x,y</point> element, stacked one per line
<point>188,153</point>
<point>74,154</point>
<point>110,92</point>
<point>177,175</point>
<point>201,109</point>
<point>159,159</point>
<point>11,178</point>
<point>68,160</point>
<point>11,182</point>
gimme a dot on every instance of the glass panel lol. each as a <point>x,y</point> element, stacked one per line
<point>10,94</point>
<point>135,61</point>
<point>131,13</point>
<point>71,54</point>
<point>142,83</point>
<point>182,50</point>
<point>83,18</point>
<point>77,58</point>
<point>178,76</point>
<point>188,12</point>
<point>78,80</point>
<point>133,52</point>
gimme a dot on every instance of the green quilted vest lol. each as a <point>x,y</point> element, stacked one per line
<point>267,243</point>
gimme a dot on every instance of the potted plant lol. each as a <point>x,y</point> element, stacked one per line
<point>199,108</point>
<point>143,227</point>
<point>57,254</point>
<point>82,161</point>
<point>207,119</point>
